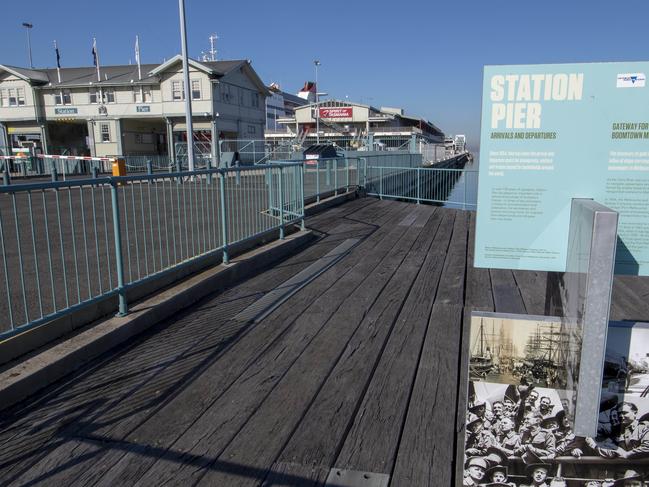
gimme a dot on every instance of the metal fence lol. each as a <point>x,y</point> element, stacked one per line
<point>68,244</point>
<point>452,187</point>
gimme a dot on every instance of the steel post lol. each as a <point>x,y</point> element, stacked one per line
<point>281,204</point>
<point>119,258</point>
<point>224,218</point>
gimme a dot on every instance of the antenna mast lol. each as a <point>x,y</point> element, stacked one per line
<point>212,52</point>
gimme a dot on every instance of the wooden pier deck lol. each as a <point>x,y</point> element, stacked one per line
<point>357,370</point>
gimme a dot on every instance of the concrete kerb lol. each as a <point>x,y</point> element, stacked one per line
<point>36,372</point>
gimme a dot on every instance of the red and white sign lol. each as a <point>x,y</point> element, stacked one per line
<point>336,112</point>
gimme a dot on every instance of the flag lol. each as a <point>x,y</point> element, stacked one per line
<point>94,52</point>
<point>58,56</point>
<point>137,56</point>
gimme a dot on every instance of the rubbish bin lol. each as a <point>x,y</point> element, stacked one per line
<point>119,167</point>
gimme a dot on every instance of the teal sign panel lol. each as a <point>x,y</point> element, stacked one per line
<point>551,133</point>
<point>143,108</point>
<point>65,111</point>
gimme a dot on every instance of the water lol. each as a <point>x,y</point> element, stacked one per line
<point>464,194</point>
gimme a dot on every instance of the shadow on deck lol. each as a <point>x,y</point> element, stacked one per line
<point>357,370</point>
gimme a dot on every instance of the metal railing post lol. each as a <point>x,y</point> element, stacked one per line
<point>347,174</point>
<point>55,176</point>
<point>418,186</point>
<point>281,204</point>
<point>302,168</point>
<point>328,173</point>
<point>381,182</point>
<point>149,167</point>
<point>6,178</point>
<point>179,170</point>
<point>317,181</point>
<point>93,171</point>
<point>335,177</point>
<point>119,258</point>
<point>224,218</point>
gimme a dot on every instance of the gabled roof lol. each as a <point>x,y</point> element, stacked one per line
<point>217,68</point>
<point>30,75</point>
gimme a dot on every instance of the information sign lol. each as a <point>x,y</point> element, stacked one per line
<point>551,133</point>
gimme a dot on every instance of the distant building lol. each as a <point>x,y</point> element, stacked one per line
<point>121,114</point>
<point>460,143</point>
<point>351,124</point>
<point>280,104</point>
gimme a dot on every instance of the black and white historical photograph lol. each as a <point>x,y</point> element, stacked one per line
<point>530,351</point>
<point>626,366</point>
<point>521,435</point>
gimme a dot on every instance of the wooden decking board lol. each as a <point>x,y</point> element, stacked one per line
<point>227,414</point>
<point>118,432</point>
<point>478,281</point>
<point>355,358</point>
<point>507,297</point>
<point>532,286</point>
<point>372,441</point>
<point>321,431</point>
<point>298,475</point>
<point>273,423</point>
<point>424,458</point>
<point>134,365</point>
<point>453,275</point>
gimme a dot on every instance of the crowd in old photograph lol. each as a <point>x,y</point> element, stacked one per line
<point>522,436</point>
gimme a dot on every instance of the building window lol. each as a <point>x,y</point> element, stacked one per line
<point>4,98</point>
<point>13,99</point>
<point>93,96</point>
<point>108,95</point>
<point>63,97</point>
<point>177,90</point>
<point>196,89</point>
<point>21,96</point>
<point>104,129</point>
<point>142,94</point>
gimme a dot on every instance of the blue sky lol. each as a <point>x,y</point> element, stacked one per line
<point>424,56</point>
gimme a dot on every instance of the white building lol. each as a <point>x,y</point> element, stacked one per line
<point>123,114</point>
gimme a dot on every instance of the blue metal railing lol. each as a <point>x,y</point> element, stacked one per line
<point>68,244</point>
<point>451,187</point>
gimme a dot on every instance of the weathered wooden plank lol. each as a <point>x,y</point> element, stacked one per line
<point>372,441</point>
<point>321,431</point>
<point>261,439</point>
<point>451,289</point>
<point>116,430</point>
<point>478,292</point>
<point>425,456</point>
<point>236,400</point>
<point>292,474</point>
<point>532,287</point>
<point>507,297</point>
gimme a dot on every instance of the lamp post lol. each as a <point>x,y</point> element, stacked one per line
<point>188,89</point>
<point>317,106</point>
<point>28,27</point>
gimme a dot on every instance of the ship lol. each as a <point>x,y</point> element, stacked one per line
<point>481,362</point>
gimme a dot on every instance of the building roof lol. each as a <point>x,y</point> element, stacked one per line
<point>120,74</point>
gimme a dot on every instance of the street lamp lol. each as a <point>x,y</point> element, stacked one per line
<point>28,27</point>
<point>317,106</point>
